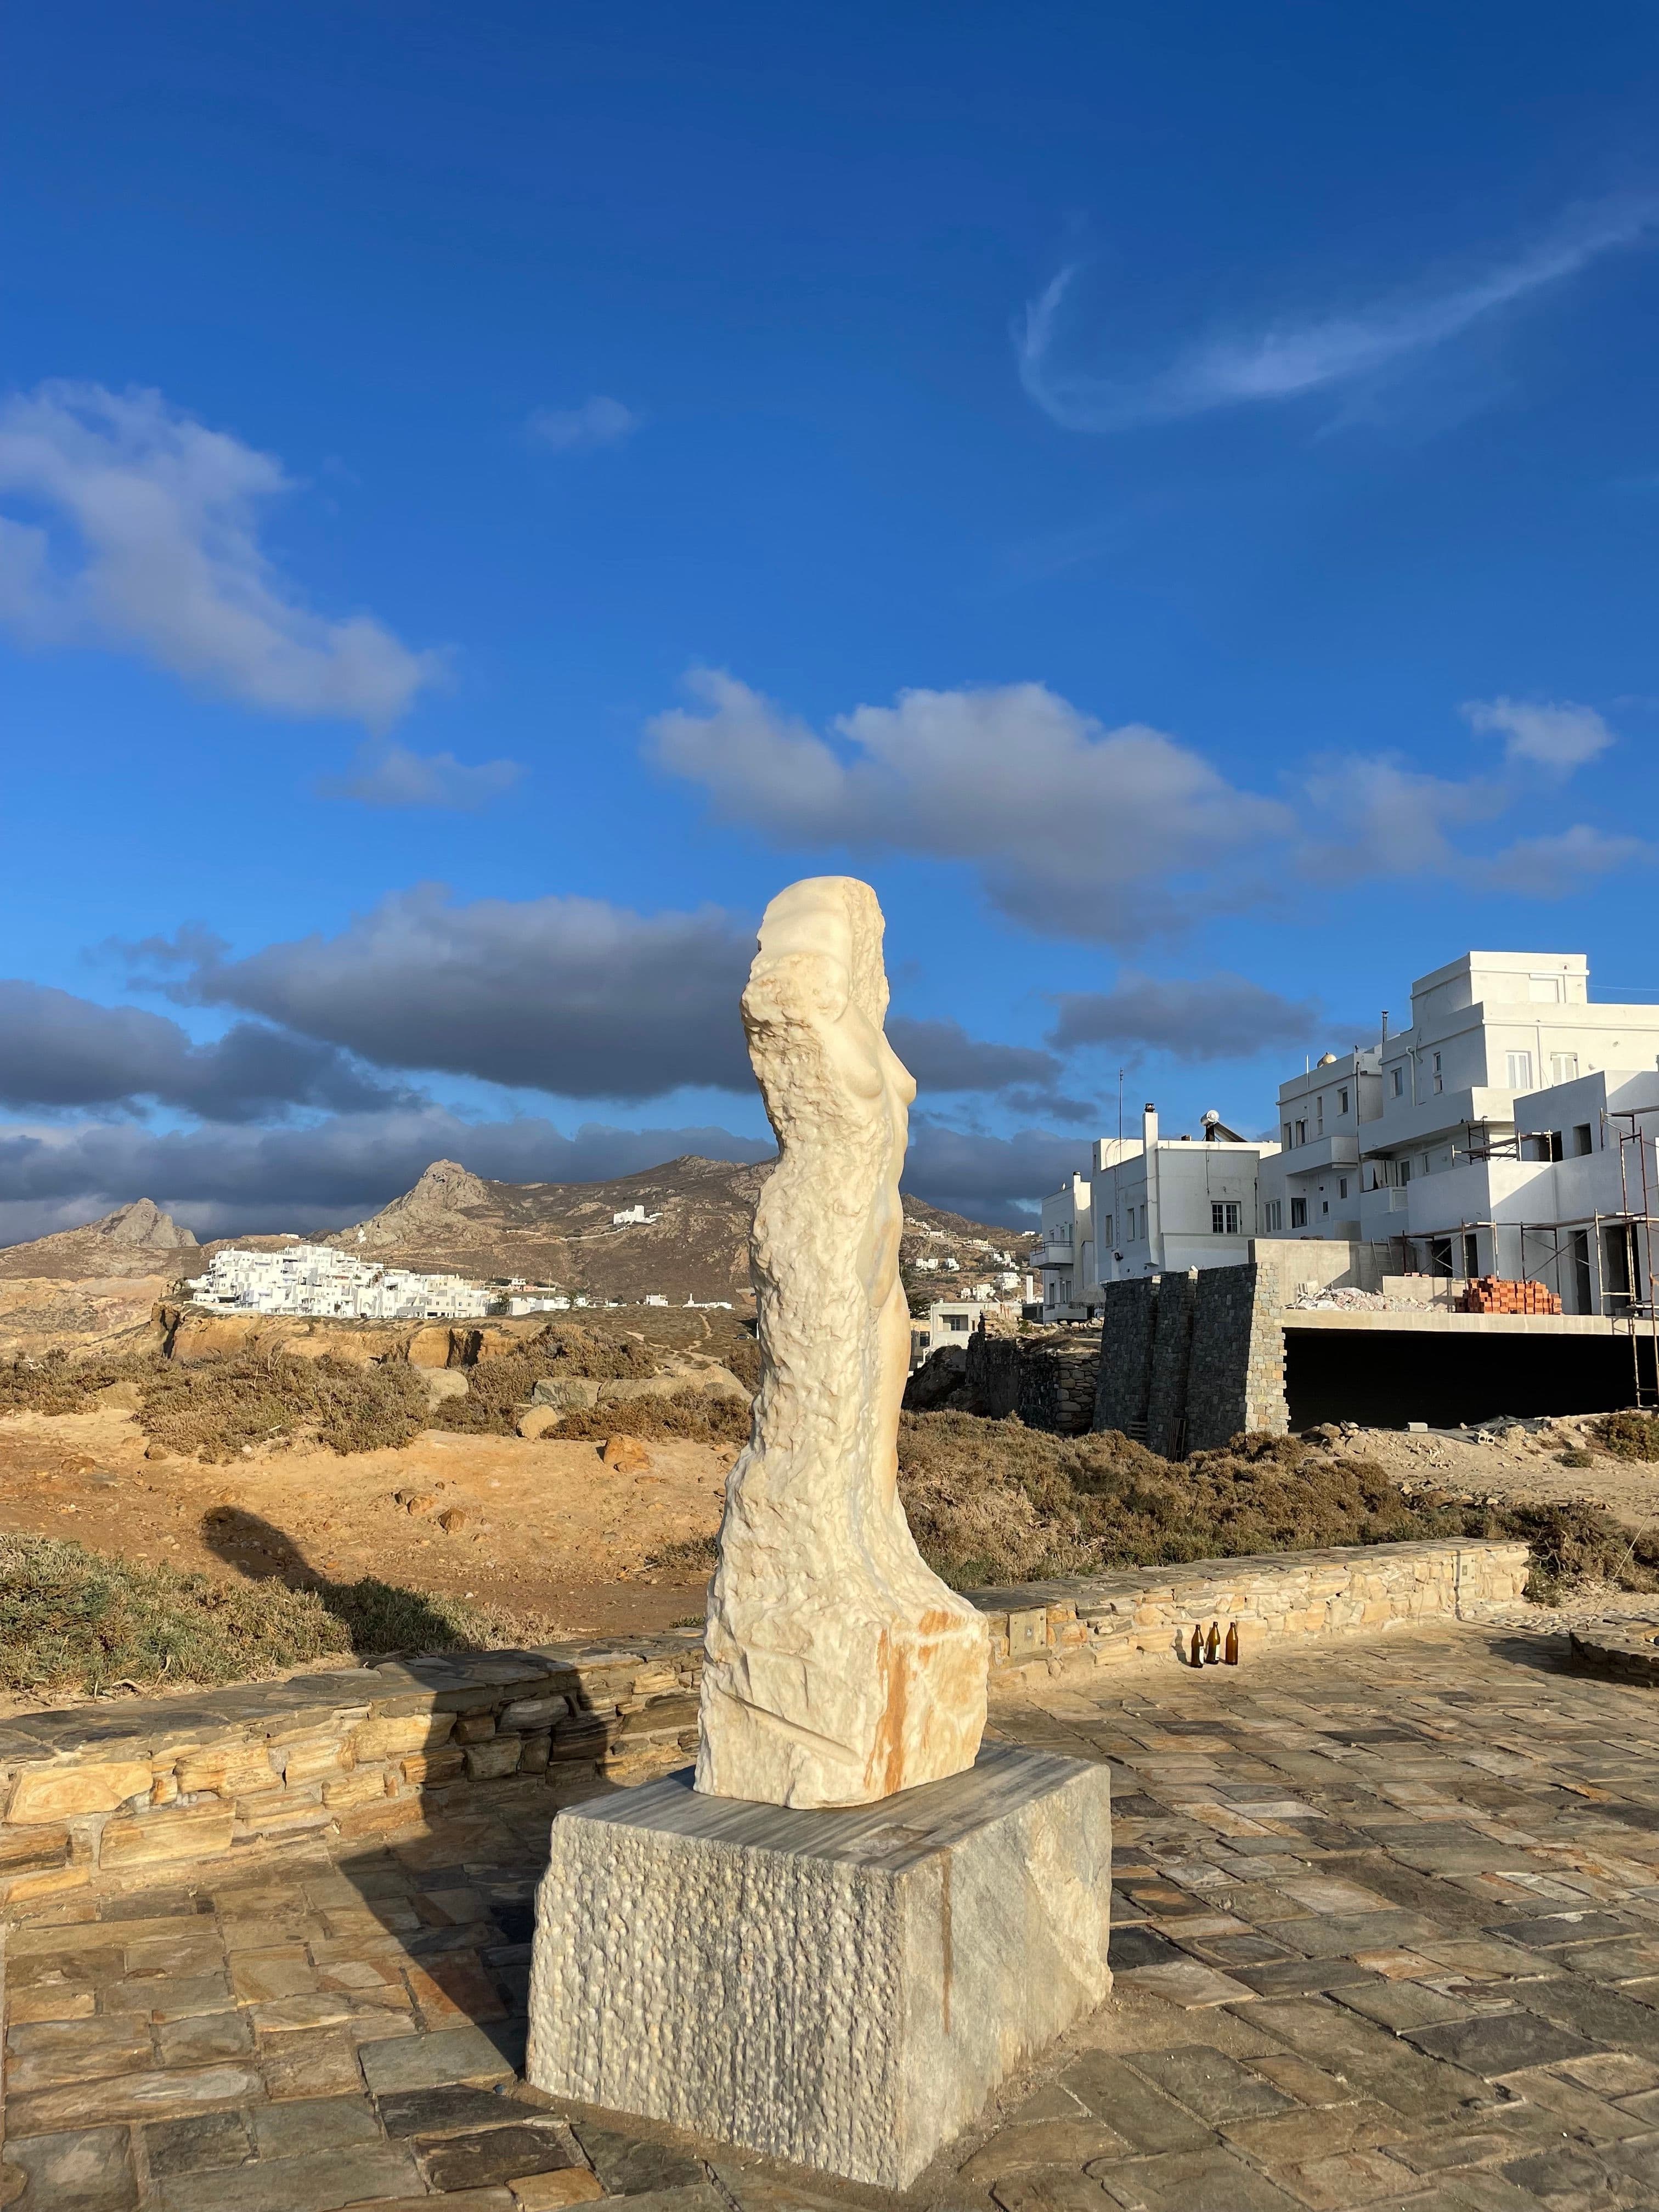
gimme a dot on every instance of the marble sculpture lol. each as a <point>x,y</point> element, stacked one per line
<point>839,1667</point>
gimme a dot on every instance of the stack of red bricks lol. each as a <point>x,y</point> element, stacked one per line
<point>1491,1294</point>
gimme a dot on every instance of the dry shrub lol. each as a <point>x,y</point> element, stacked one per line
<point>992,1502</point>
<point>214,1408</point>
<point>497,1388</point>
<point>740,1356</point>
<point>690,1416</point>
<point>1629,1435</point>
<point>55,1384</point>
<point>72,1619</point>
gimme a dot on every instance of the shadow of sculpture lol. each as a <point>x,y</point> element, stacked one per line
<point>379,1618</point>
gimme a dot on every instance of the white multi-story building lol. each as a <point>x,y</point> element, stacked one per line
<point>1508,1130</point>
<point>1146,1207</point>
<point>314,1279</point>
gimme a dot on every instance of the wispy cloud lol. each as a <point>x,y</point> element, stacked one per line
<point>141,528</point>
<point>1120,835</point>
<point>1294,356</point>
<point>1555,867</point>
<point>389,774</point>
<point>598,421</point>
<point>1558,735</point>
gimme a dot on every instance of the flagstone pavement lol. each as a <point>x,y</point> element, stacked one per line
<point>1386,1933</point>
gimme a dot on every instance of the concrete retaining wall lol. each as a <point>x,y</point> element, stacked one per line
<point>109,1792</point>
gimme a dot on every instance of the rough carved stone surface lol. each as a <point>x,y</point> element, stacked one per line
<point>840,1989</point>
<point>840,1669</point>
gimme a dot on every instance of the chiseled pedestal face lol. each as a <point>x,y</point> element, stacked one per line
<point>840,1669</point>
<point>840,1988</point>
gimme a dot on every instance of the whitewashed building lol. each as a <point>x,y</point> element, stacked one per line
<point>1508,1130</point>
<point>1149,1206</point>
<point>314,1279</point>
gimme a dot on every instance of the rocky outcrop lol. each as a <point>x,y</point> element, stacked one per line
<point>137,1239</point>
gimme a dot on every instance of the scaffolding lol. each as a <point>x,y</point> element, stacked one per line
<point>1623,1243</point>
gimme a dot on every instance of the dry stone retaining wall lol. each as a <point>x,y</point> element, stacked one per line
<point>1049,1381</point>
<point>103,1791</point>
<point>1188,1361</point>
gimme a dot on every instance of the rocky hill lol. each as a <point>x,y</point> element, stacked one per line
<point>694,1243</point>
<point>138,1239</point>
<point>697,1246</point>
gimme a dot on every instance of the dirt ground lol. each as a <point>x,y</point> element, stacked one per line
<point>542,1530</point>
<point>1515,1466</point>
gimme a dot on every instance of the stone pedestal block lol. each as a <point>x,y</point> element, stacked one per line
<point>839,1988</point>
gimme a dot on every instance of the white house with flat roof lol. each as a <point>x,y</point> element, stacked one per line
<point>1147,1205</point>
<point>1507,1130</point>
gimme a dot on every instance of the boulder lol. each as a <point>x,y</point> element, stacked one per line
<point>432,1345</point>
<point>625,1455</point>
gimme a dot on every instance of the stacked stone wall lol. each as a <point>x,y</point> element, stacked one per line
<point>109,1794</point>
<point>1188,1361</point>
<point>1235,1381</point>
<point>1171,1365</point>
<point>1124,1379</point>
<point>1049,1381</point>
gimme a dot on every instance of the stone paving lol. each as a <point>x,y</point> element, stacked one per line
<point>1387,1933</point>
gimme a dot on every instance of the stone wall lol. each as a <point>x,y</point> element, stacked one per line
<point>1127,1315</point>
<point>1235,1378</point>
<point>1187,1361</point>
<point>1108,1619</point>
<point>1048,1380</point>
<point>108,1792</point>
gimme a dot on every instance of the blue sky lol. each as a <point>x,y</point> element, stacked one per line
<point>486,497</point>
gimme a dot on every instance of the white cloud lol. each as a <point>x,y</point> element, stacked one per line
<point>1296,356</point>
<point>1552,734</point>
<point>598,421</point>
<point>1552,867</point>
<point>1374,815</point>
<point>390,775</point>
<point>1072,827</point>
<point>1078,830</point>
<point>143,532</point>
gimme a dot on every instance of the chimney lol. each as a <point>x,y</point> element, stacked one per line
<point>1149,1124</point>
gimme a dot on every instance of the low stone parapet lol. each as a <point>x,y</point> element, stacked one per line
<point>1632,1654</point>
<point>1271,1596</point>
<point>107,1791</point>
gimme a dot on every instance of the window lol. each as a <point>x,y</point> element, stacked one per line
<point>1224,1218</point>
<point>1287,1136</point>
<point>1342,1185</point>
<point>1520,1071</point>
<point>1403,1172</point>
<point>1564,1067</point>
<point>1106,1233</point>
<point>1471,1253</point>
<point>1299,1213</point>
<point>1399,1082</point>
<point>1581,1145</point>
<point>1275,1213</point>
<point>1319,1113</point>
<point>1301,1132</point>
<point>1324,1205</point>
<point>957,1323</point>
<point>1436,1068</point>
<point>1583,1301</point>
<point>1342,1100</point>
